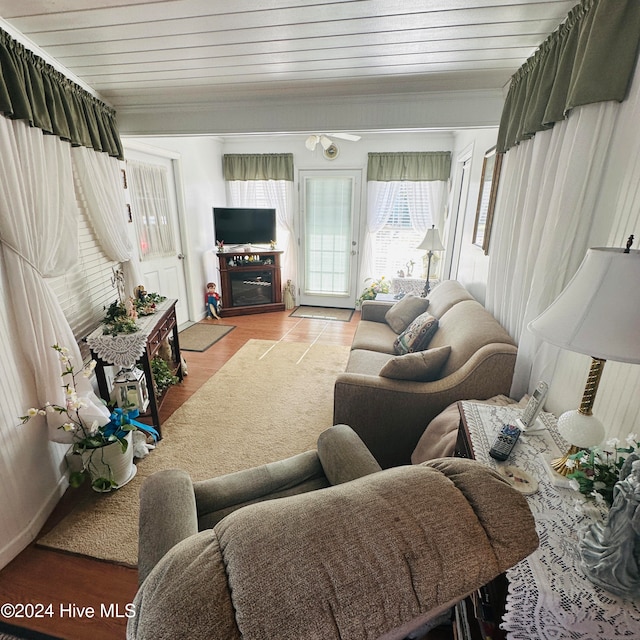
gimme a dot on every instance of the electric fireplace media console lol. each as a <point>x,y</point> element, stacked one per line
<point>250,282</point>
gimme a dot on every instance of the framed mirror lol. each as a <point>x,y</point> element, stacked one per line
<point>487,199</point>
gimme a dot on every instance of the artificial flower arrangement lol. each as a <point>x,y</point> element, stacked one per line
<point>87,438</point>
<point>377,286</point>
<point>121,316</point>
<point>596,470</point>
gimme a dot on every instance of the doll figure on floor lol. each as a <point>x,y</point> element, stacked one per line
<point>212,301</point>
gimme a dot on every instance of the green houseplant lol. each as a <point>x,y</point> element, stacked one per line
<point>105,450</point>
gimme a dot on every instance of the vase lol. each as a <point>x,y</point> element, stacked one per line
<point>109,462</point>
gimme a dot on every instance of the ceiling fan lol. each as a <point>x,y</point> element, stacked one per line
<point>329,148</point>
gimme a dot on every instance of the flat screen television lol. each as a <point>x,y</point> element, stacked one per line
<point>235,226</point>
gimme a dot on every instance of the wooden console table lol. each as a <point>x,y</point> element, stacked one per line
<point>250,282</point>
<point>139,348</point>
<point>547,595</point>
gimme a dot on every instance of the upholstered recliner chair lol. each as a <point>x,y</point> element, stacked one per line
<point>172,507</point>
<point>374,557</point>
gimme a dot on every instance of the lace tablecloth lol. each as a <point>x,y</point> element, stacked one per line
<point>126,349</point>
<point>549,596</point>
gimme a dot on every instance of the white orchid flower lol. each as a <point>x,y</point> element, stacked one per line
<point>32,412</point>
<point>570,464</point>
<point>68,426</point>
<point>574,484</point>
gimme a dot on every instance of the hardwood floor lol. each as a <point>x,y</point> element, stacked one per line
<point>73,584</point>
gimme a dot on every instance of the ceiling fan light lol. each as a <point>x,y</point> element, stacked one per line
<point>311,142</point>
<point>325,142</point>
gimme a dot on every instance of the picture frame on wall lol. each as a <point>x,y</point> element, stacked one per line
<point>489,180</point>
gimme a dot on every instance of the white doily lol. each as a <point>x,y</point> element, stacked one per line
<point>549,596</point>
<point>126,349</point>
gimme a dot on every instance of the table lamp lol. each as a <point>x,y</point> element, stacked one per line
<point>597,314</point>
<point>430,243</point>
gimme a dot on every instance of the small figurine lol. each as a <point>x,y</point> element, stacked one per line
<point>212,301</point>
<point>130,307</point>
<point>289,295</point>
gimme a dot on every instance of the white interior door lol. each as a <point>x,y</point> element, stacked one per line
<point>154,208</point>
<point>329,223</point>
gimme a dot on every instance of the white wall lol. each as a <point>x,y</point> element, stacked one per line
<point>472,266</point>
<point>445,110</point>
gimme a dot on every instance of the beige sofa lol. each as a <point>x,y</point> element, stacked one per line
<point>391,414</point>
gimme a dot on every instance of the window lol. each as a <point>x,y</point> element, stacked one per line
<point>408,215</point>
<point>150,202</point>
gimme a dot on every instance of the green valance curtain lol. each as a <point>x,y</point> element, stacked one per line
<point>32,90</point>
<point>589,58</point>
<point>419,166</point>
<point>258,166</point>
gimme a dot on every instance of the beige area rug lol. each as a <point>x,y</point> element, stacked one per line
<point>323,313</point>
<point>200,336</point>
<point>270,401</point>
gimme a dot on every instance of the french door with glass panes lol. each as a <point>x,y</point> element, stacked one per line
<point>329,217</point>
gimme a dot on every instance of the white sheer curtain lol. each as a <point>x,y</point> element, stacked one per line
<point>271,194</point>
<point>100,188</point>
<point>39,234</point>
<point>381,197</point>
<point>152,215</point>
<point>543,221</point>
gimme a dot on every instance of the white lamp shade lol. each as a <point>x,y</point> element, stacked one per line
<point>598,313</point>
<point>431,241</point>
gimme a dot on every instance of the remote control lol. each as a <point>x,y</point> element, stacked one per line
<point>505,442</point>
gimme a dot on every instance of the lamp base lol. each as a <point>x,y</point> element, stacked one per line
<point>559,465</point>
<point>580,429</point>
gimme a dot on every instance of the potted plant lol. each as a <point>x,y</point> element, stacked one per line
<point>105,450</point>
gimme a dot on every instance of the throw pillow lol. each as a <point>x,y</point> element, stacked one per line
<point>405,311</point>
<point>417,335</point>
<point>423,366</point>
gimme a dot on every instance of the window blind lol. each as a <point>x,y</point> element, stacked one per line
<point>86,290</point>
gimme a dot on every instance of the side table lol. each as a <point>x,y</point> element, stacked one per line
<point>140,347</point>
<point>548,597</point>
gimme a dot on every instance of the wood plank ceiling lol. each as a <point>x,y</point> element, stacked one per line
<point>138,53</point>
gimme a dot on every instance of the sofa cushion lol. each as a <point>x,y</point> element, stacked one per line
<point>368,363</point>
<point>405,311</point>
<point>445,295</point>
<point>467,327</point>
<point>417,335</point>
<point>422,366</point>
<point>374,336</point>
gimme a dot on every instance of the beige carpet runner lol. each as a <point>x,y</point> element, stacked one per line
<point>270,401</point>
